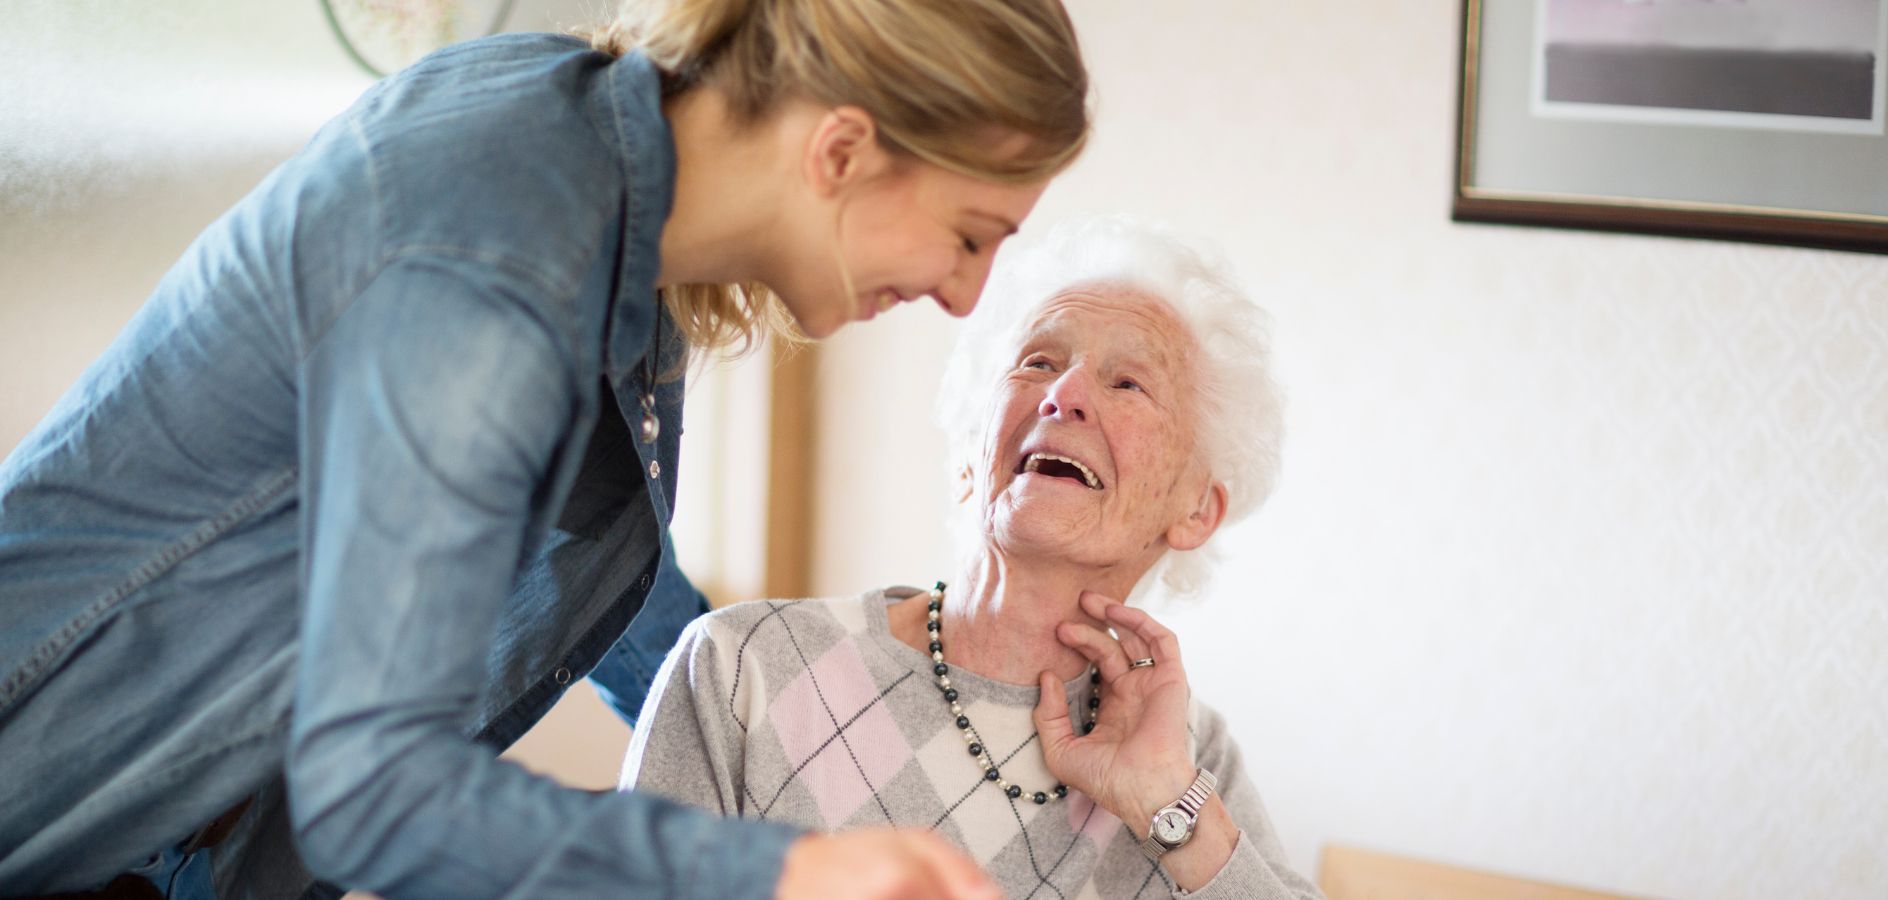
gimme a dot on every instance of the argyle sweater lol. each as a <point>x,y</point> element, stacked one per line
<point>811,713</point>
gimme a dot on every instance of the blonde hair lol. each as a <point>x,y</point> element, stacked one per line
<point>938,78</point>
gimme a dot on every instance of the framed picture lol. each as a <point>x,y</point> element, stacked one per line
<point>1757,120</point>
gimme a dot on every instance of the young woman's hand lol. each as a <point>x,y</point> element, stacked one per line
<point>881,864</point>
<point>1137,759</point>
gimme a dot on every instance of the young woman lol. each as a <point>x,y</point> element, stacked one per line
<point>388,458</point>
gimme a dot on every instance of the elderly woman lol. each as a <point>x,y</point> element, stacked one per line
<point>1109,409</point>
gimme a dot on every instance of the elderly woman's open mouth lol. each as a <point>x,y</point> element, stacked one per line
<point>1056,465</point>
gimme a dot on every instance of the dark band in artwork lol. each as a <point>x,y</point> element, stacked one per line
<point>1815,59</point>
<point>1803,83</point>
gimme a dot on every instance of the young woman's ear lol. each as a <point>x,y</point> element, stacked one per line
<point>843,150</point>
<point>1193,530</point>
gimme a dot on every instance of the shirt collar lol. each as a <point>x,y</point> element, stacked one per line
<point>646,148</point>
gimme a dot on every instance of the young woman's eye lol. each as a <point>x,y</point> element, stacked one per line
<point>971,247</point>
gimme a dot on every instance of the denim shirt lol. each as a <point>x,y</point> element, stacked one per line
<point>352,500</point>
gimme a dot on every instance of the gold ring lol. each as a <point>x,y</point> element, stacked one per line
<point>1141,663</point>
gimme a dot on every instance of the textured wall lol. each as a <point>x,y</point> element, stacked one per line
<point>124,130</point>
<point>1579,567</point>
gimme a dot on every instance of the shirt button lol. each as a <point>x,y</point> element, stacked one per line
<point>655,469</point>
<point>643,582</point>
<point>562,675</point>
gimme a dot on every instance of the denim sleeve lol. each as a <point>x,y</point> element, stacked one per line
<point>625,673</point>
<point>432,410</point>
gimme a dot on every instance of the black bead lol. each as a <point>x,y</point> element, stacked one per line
<point>950,694</point>
<point>1088,727</point>
<point>934,606</point>
<point>1094,703</point>
<point>976,749</point>
<point>940,668</point>
<point>1094,678</point>
<point>931,627</point>
<point>1040,798</point>
<point>1014,792</point>
<point>963,721</point>
<point>1061,790</point>
<point>937,647</point>
<point>990,775</point>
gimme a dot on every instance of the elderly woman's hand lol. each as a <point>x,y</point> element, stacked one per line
<point>1137,759</point>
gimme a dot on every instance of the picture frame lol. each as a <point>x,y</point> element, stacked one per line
<point>1673,117</point>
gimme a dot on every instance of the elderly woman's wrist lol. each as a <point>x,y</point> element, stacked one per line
<point>1160,789</point>
<point>1215,837</point>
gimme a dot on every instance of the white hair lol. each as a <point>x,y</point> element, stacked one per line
<point>1240,422</point>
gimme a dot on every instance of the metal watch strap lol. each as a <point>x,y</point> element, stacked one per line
<point>1191,803</point>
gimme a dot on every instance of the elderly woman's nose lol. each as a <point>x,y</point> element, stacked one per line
<point>1066,398</point>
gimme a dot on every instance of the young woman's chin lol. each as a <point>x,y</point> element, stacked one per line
<point>818,316</point>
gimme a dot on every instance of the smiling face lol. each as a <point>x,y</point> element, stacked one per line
<point>877,227</point>
<point>1091,456</point>
<point>919,231</point>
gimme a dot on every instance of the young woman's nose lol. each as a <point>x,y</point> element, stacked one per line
<point>1067,397</point>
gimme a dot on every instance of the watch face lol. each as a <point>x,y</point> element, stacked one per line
<point>1170,827</point>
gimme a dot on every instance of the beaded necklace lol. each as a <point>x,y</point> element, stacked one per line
<point>978,750</point>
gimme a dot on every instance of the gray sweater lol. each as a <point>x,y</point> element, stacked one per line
<point>811,713</point>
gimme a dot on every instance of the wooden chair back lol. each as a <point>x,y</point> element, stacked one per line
<point>1350,873</point>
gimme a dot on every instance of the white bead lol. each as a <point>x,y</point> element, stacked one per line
<point>932,614</point>
<point>937,656</point>
<point>944,680</point>
<point>1002,785</point>
<point>957,710</point>
<point>984,761</point>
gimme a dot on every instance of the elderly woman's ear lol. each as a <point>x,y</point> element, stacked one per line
<point>1193,530</point>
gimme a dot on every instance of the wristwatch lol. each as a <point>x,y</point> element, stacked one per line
<point>1173,825</point>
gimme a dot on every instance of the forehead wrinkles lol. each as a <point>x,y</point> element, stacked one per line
<point>1147,326</point>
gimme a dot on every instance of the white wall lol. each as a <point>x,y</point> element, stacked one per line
<point>1579,567</point>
